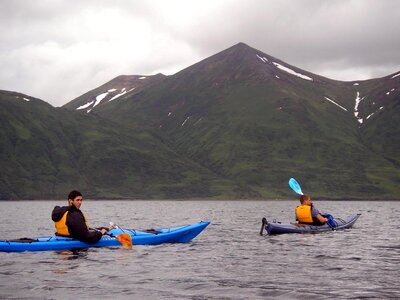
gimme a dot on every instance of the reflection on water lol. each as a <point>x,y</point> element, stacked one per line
<point>73,254</point>
<point>61,263</point>
<point>229,260</point>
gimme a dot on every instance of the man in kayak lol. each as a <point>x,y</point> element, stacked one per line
<point>306,213</point>
<point>70,221</point>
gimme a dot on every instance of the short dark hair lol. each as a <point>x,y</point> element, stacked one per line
<point>73,194</point>
<point>304,198</point>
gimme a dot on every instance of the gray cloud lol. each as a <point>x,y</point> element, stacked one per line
<point>57,50</point>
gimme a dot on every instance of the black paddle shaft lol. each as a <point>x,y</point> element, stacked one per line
<point>263,222</point>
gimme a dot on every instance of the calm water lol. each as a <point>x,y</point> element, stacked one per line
<point>229,260</point>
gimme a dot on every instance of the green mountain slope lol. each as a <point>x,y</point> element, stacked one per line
<point>238,124</point>
<point>48,151</point>
<point>381,133</point>
<point>257,121</point>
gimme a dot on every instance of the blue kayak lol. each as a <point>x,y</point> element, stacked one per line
<point>156,236</point>
<point>279,228</point>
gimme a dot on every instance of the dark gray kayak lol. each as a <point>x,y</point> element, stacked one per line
<point>278,228</point>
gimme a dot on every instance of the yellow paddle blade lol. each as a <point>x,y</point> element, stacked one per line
<point>125,239</point>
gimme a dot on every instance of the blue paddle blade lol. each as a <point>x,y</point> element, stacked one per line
<point>295,186</point>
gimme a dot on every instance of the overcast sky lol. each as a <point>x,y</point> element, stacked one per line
<point>57,50</point>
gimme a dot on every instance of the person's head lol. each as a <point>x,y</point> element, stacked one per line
<point>75,198</point>
<point>305,200</point>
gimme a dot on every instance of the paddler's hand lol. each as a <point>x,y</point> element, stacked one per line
<point>103,231</point>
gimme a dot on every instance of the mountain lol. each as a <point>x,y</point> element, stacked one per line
<point>380,108</point>
<point>257,121</point>
<point>47,151</point>
<point>236,125</point>
<point>117,88</point>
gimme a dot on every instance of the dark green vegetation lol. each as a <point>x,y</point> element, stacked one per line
<point>47,151</point>
<point>231,126</point>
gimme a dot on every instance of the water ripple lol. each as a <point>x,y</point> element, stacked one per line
<point>229,260</point>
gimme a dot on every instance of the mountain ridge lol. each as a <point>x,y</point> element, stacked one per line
<point>268,61</point>
<point>235,125</point>
<point>223,89</point>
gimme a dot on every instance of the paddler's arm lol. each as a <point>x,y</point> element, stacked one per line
<point>78,229</point>
<point>321,219</point>
<point>316,214</point>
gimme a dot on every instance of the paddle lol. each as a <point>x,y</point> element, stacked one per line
<point>124,238</point>
<point>263,223</point>
<point>295,186</point>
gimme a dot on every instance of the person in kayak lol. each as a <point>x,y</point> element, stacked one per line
<point>70,221</point>
<point>306,213</point>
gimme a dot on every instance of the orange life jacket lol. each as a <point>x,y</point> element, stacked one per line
<point>61,225</point>
<point>304,215</point>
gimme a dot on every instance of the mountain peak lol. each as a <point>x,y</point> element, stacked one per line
<point>242,45</point>
<point>241,62</point>
<point>240,49</point>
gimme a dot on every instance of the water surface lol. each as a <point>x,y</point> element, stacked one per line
<point>229,260</point>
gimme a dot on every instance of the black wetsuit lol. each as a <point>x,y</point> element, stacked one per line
<point>76,224</point>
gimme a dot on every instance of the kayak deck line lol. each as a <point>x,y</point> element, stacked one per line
<point>154,231</point>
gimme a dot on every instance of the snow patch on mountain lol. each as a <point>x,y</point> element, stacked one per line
<point>394,76</point>
<point>369,116</point>
<point>357,103</point>
<point>26,99</point>
<point>290,71</point>
<point>102,96</point>
<point>198,121</point>
<point>123,92</point>
<point>263,59</point>
<point>143,77</point>
<point>388,93</point>
<point>184,122</point>
<point>85,105</point>
<point>99,98</point>
<point>335,103</point>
